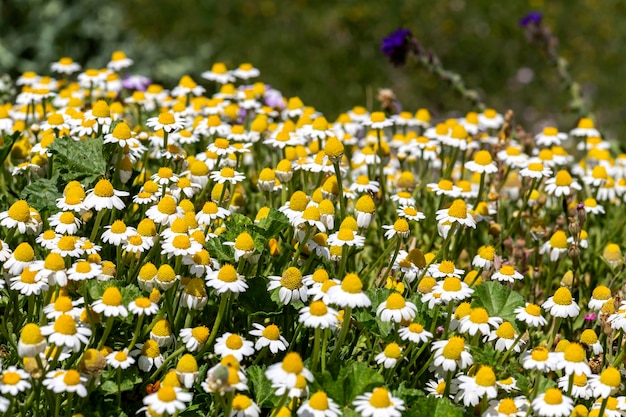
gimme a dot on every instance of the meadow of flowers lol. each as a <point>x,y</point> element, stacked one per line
<point>217,249</point>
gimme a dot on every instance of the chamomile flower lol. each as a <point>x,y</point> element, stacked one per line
<point>103,195</point>
<point>346,237</point>
<point>538,359</point>
<point>550,136</point>
<point>444,187</point>
<point>557,246</point>
<point>19,217</point>
<point>227,174</point>
<point>403,198</point>
<point>452,289</point>
<point>269,336</point>
<point>482,163</point>
<point>319,405</point>
<point>63,305</point>
<point>161,333</point>
<point>226,279</point>
<point>52,269</point>
<point>507,407</point>
<point>349,293</point>
<point>399,228</point>
<point>233,344</point>
<point>561,304</point>
<point>64,332</point>
<point>561,184</point>
<point>165,212</point>
<point>505,337</point>
<point>167,121</point>
<point>318,315</point>
<point>168,400</point>
<point>552,403</point>
<point>364,185</point>
<point>482,384</point>
<point>600,295</point>
<point>31,342</point>
<point>110,304</point>
<point>378,403</point>
<point>585,127</point>
<point>415,333</point>
<point>243,406</point>
<point>180,245</point>
<point>286,373</point>
<point>536,170</point>
<point>219,73</point>
<point>395,308</point>
<point>64,222</point>
<point>290,284</point>
<point>456,213</point>
<point>120,359</point>
<point>194,338</point>
<point>478,321</point>
<point>13,381</point>
<point>607,383</point>
<point>143,306</point>
<point>507,273</point>
<point>65,65</point>
<point>29,282</point>
<point>60,381</point>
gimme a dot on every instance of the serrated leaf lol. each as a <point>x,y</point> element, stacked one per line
<point>433,407</point>
<point>256,299</point>
<point>409,395</point>
<point>82,161</point>
<point>261,386</point>
<point>42,194</point>
<point>354,378</point>
<point>498,300</point>
<point>271,225</point>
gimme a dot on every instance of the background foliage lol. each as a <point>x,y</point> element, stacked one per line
<point>328,52</point>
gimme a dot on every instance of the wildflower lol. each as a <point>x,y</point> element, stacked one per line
<point>378,403</point>
<point>507,274</point>
<point>585,127</point>
<point>167,121</point>
<point>13,381</point>
<point>63,305</point>
<point>478,321</point>
<point>31,342</point>
<point>233,344</point>
<point>400,228</point>
<point>396,309</point>
<point>66,381</point>
<point>29,282</point>
<point>613,255</point>
<point>365,211</point>
<point>161,333</point>
<point>504,336</point>
<point>574,360</point>
<point>194,295</point>
<point>507,407</point>
<point>483,163</point>
<point>149,355</point>
<point>143,306</point>
<point>451,354</point>
<point>552,403</point>
<point>287,372</point>
<point>349,293</point>
<point>318,315</point>
<point>364,185</point>
<point>18,216</point>
<point>103,195</point>
<point>456,213</point>
<point>168,400</point>
<point>319,405</point>
<point>110,304</point>
<point>538,359</point>
<point>600,295</point>
<point>65,65</point>
<point>452,288</point>
<point>269,336</point>
<point>482,384</point>
<point>389,356</point>
<point>64,332</point>
<point>562,304</point>
<point>444,269</point>
<point>243,406</point>
<point>218,73</point>
<point>445,187</point>
<point>415,333</point>
<point>194,338</point>
<point>290,284</point>
<point>561,184</point>
<point>120,359</point>
<point>165,212</point>
<point>607,383</point>
<point>557,246</point>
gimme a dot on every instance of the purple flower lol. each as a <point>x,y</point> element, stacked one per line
<point>136,82</point>
<point>397,46</point>
<point>531,18</point>
<point>591,316</point>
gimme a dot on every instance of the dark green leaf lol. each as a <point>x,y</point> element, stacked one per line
<point>42,194</point>
<point>355,378</point>
<point>7,144</point>
<point>261,386</point>
<point>498,300</point>
<point>82,161</point>
<point>433,407</point>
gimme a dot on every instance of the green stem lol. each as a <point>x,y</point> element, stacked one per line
<point>315,356</point>
<point>137,332</point>
<point>107,330</point>
<point>96,226</point>
<point>347,314</point>
<point>342,203</point>
<point>216,325</point>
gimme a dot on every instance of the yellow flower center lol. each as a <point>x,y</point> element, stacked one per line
<point>166,273</point>
<point>103,189</point>
<point>454,348</point>
<point>28,276</point>
<point>585,123</point>
<point>20,211</point>
<point>563,179</point>
<point>181,242</point>
<point>143,302</point>
<point>334,148</point>
<point>410,211</point>
<point>298,201</point>
<point>426,285</point>
<point>147,272</point>
<point>165,172</point>
<point>118,227</point>
<point>602,292</point>
<point>311,213</point>
<point>345,234</point>
<point>63,304</point>
<point>479,315</point>
<point>318,308</point>
<point>31,334</point>
<point>292,363</point>
<point>563,297</point>
<point>507,407</point>
<point>599,172</point>
<point>195,287</point>
<point>539,354</point>
<point>401,226</point>
<point>227,273</point>
<point>112,297</point>
<point>55,119</point>
<point>167,205</point>
<point>11,378</point>
<point>559,240</point>
<point>199,169</point>
<point>319,401</point>
<point>244,242</point>
<point>67,243</point>
<point>166,118</point>
<point>458,209</point>
<point>446,267</point>
<point>485,376</point>
<point>533,310</point>
<point>121,356</point>
<point>513,151</point>
<point>241,402</point>
<point>506,331</point>
<point>150,349</point>
<point>611,377</point>
<point>365,204</point>
<point>574,353</point>
<point>380,398</point>
<point>227,172</point>
<point>65,325</point>
<point>352,284</point>
<point>166,394</point>
<point>451,284</point>
<point>54,262</point>
<point>67,218</point>
<point>291,279</point>
<point>200,333</point>
<point>458,132</point>
<point>377,117</point>
<point>553,396</point>
<point>483,158</point>
<point>24,253</point>
<point>320,276</point>
<point>507,270</point>
<point>392,350</point>
<point>267,174</point>
<point>71,377</point>
<point>395,301</point>
<point>271,332</point>
<point>162,328</point>
<point>550,131</point>
<point>135,240</point>
<point>187,364</point>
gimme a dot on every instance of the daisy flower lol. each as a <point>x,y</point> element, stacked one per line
<point>165,212</point>
<point>557,246</point>
<point>233,344</point>
<point>110,304</point>
<point>456,213</point>
<point>451,354</point>
<point>484,257</point>
<point>65,65</point>
<point>444,269</point>
<point>403,198</point>
<point>52,269</point>
<point>346,237</point>
<point>60,381</point>
<point>552,403</point>
<point>29,282</point>
<point>318,315</point>
<point>452,289</point>
<point>319,405</point>
<point>161,333</point>
<point>399,228</point>
<point>269,336</point>
<point>180,245</point>
<point>143,306</point>
<point>117,233</point>
<point>550,136</point>
<point>561,304</point>
<point>168,400</point>
<point>478,321</point>
<point>103,195</point>
<point>290,284</point>
<point>364,185</point>
<point>64,332</point>
<point>243,406</point>
<point>395,308</point>
<point>536,170</point>
<point>18,216</point>
<point>482,384</point>
<point>166,121</point>
<point>538,359</point>
<point>415,333</point>
<point>561,184</point>
<point>120,359</point>
<point>580,386</point>
<point>194,338</point>
<point>219,73</point>
<point>227,174</point>
<point>585,127</point>
<point>505,337</point>
<point>14,381</point>
<point>31,342</point>
<point>64,223</point>
<point>507,274</point>
<point>507,407</point>
<point>574,360</point>
<point>349,293</point>
<point>482,163</point>
<point>389,356</point>
<point>410,213</point>
<point>444,187</point>
<point>378,403</point>
<point>286,373</point>
<point>600,295</point>
<point>605,384</point>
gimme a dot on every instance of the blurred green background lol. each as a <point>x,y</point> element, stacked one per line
<point>327,52</point>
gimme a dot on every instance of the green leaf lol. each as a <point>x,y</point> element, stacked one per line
<point>82,161</point>
<point>256,299</point>
<point>275,222</point>
<point>433,407</point>
<point>130,378</point>
<point>261,386</point>
<point>7,145</point>
<point>498,300</point>
<point>42,194</point>
<point>355,378</point>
